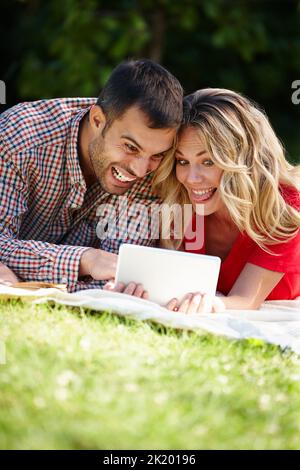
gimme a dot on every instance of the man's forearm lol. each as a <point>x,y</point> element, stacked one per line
<point>41,261</point>
<point>86,261</point>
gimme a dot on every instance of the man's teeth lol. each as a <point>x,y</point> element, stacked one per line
<point>203,191</point>
<point>120,176</point>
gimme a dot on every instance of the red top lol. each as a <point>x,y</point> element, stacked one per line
<point>245,250</point>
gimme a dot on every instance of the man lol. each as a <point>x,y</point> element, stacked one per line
<point>60,159</point>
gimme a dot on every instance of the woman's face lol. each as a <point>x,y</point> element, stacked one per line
<point>197,172</point>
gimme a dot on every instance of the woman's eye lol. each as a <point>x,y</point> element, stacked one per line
<point>131,148</point>
<point>208,162</point>
<point>181,162</point>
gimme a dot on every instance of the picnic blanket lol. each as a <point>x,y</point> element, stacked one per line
<point>276,322</point>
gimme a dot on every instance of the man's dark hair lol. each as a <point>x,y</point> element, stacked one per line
<point>147,85</point>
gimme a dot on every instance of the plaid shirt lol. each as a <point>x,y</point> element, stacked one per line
<point>47,215</point>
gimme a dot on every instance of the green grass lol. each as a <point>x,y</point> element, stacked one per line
<point>75,380</point>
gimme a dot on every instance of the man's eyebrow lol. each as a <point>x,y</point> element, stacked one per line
<point>197,155</point>
<point>124,136</point>
<point>133,141</point>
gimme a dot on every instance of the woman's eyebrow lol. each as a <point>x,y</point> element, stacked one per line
<point>202,152</point>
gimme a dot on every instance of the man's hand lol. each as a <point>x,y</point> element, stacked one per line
<point>98,264</point>
<point>136,290</point>
<point>7,277</point>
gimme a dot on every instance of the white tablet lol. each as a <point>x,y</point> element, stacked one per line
<point>166,274</point>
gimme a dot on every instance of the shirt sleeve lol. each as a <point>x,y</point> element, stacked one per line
<point>30,259</point>
<point>285,257</point>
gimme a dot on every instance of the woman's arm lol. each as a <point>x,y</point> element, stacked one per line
<point>251,288</point>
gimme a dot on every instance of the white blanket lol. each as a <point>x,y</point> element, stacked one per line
<point>276,322</point>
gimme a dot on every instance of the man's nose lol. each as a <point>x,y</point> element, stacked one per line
<point>140,167</point>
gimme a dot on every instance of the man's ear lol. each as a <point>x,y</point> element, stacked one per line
<point>97,119</point>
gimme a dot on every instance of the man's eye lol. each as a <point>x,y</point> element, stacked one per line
<point>159,156</point>
<point>131,148</point>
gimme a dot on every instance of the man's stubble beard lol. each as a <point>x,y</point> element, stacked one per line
<point>99,160</point>
<point>101,163</point>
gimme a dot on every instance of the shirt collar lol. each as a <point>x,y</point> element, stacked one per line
<point>73,165</point>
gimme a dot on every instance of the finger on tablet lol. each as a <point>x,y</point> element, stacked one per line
<point>205,304</point>
<point>130,288</point>
<point>183,308</point>
<point>145,295</point>
<point>172,305</point>
<point>138,292</point>
<point>119,287</point>
<point>194,303</point>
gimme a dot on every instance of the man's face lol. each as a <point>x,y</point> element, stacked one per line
<point>128,151</point>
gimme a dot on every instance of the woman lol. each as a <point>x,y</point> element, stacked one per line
<point>230,163</point>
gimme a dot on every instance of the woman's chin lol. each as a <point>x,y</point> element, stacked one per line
<point>206,207</point>
<point>200,209</point>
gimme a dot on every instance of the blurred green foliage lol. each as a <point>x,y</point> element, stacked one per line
<point>53,48</point>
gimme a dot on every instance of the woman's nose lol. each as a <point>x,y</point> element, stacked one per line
<point>195,175</point>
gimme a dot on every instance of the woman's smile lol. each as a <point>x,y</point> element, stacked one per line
<point>202,195</point>
<point>197,172</point>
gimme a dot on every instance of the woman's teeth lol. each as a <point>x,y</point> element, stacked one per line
<point>203,194</point>
<point>120,176</point>
<point>202,191</point>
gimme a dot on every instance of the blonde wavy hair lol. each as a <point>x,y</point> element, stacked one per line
<point>243,144</point>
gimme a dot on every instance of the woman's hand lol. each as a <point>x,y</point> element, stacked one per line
<point>196,303</point>
<point>192,303</point>
<point>132,288</point>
